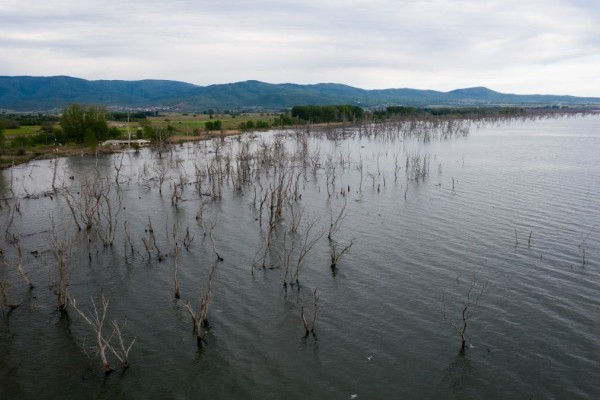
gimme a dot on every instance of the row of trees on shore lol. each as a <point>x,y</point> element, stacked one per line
<point>89,125</point>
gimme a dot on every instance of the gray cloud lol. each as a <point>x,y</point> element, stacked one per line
<point>548,46</point>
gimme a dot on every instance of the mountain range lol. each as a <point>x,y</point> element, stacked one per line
<point>28,93</point>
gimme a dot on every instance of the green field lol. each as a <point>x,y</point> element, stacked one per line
<point>22,130</point>
<point>181,122</point>
<point>186,124</point>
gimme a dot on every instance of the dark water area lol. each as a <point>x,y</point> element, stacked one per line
<point>512,206</point>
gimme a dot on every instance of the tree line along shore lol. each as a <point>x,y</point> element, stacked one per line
<point>80,129</point>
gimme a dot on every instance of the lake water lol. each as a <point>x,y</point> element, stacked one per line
<point>513,206</point>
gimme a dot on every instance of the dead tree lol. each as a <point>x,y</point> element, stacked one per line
<point>308,243</point>
<point>69,198</point>
<point>360,168</point>
<point>176,193</point>
<point>160,170</point>
<point>122,351</point>
<point>335,220</point>
<point>286,257</point>
<point>200,318</point>
<point>160,140</point>
<point>54,173</point>
<point>188,239</point>
<point>88,203</point>
<point>153,244</point>
<point>337,253</point>
<point>96,320</point>
<point>330,175</point>
<point>5,301</point>
<point>61,246</point>
<point>469,307</point>
<point>582,247</point>
<point>24,274</point>
<point>310,328</point>
<point>295,218</point>
<point>109,210</point>
<point>200,213</point>
<point>175,255</point>
<point>14,210</point>
<point>118,165</point>
<point>128,243</point>
<point>213,224</point>
<point>397,166</point>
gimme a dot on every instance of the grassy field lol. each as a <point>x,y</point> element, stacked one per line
<point>22,130</point>
<point>186,124</point>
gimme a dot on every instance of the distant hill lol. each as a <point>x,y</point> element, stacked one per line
<point>27,93</point>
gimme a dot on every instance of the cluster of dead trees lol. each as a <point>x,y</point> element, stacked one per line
<point>270,172</point>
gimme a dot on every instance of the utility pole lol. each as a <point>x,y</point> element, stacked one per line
<point>128,131</point>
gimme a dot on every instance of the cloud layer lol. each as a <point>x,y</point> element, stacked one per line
<point>538,46</point>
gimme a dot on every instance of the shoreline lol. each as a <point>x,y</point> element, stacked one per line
<point>46,153</point>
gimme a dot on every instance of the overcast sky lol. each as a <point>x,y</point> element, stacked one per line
<point>513,46</point>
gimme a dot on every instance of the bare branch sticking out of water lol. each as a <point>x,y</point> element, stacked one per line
<point>122,351</point>
<point>213,224</point>
<point>336,253</point>
<point>175,251</point>
<point>5,301</point>
<point>582,246</point>
<point>200,318</point>
<point>61,246</point>
<point>309,240</point>
<point>310,328</point>
<point>24,274</point>
<point>96,320</point>
<point>469,306</point>
<point>335,220</point>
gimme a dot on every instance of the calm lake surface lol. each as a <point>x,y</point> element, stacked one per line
<point>513,206</point>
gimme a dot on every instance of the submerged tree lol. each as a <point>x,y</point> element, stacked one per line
<point>310,328</point>
<point>175,255</point>
<point>469,306</point>
<point>5,301</point>
<point>61,246</point>
<point>336,252</point>
<point>200,317</point>
<point>293,257</point>
<point>95,319</point>
<point>335,220</point>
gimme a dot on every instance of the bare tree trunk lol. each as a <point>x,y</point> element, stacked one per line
<point>200,318</point>
<point>122,352</point>
<point>61,246</point>
<point>335,221</point>
<point>337,254</point>
<point>307,245</point>
<point>24,274</point>
<point>175,254</point>
<point>118,165</point>
<point>5,301</point>
<point>310,328</point>
<point>96,321</point>
<point>469,307</point>
<point>213,224</point>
